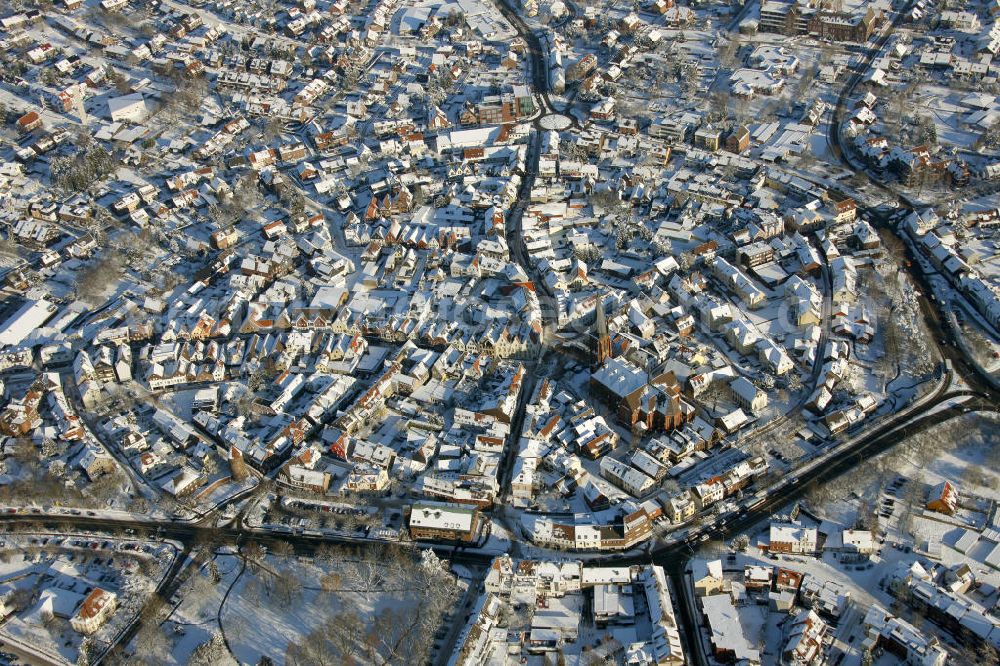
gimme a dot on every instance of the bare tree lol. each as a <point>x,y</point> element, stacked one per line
<point>212,652</point>
<point>728,52</point>
<point>366,574</point>
<point>329,553</point>
<point>283,549</point>
<point>337,641</point>
<point>93,280</point>
<point>287,586</point>
<point>155,644</point>
<point>254,554</point>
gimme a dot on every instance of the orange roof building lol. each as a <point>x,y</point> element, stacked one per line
<point>95,610</point>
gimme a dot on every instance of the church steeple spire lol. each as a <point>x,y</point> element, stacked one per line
<point>603,351</point>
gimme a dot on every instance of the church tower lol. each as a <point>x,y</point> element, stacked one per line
<point>603,351</point>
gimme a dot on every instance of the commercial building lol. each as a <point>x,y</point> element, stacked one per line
<point>442,521</point>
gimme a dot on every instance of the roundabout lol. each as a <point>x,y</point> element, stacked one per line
<point>556,121</point>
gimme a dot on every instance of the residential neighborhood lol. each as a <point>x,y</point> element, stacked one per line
<point>499,331</point>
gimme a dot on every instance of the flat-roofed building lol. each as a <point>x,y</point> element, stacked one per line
<point>442,521</point>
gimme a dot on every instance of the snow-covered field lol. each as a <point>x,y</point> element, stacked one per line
<point>232,610</point>
<point>288,602</point>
